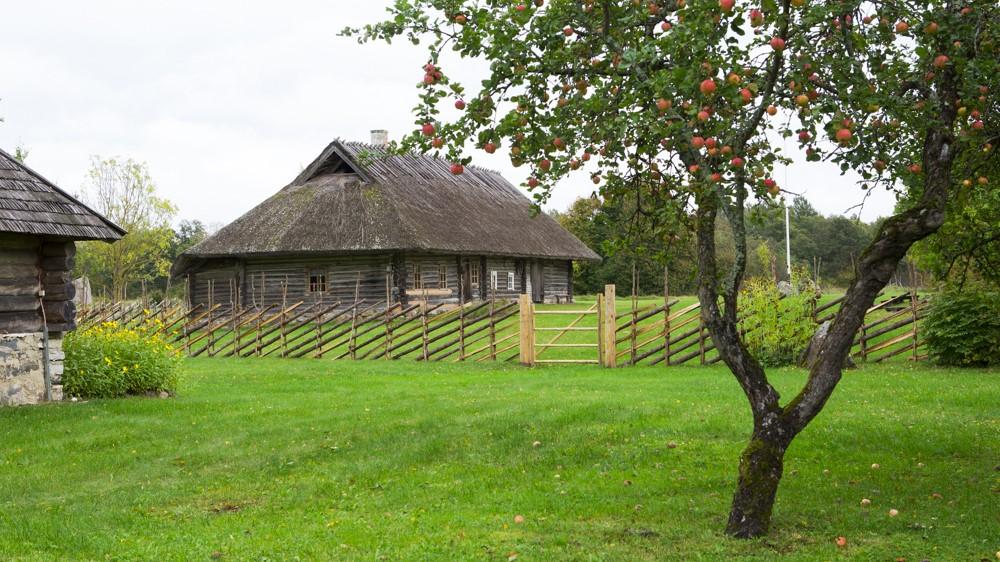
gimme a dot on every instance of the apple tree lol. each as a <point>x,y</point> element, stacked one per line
<point>676,104</point>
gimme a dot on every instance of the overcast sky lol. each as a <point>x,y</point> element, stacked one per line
<point>227,100</point>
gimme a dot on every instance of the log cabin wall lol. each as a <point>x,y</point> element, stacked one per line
<point>19,284</point>
<point>265,282</point>
<point>502,277</point>
<point>438,278</point>
<point>29,264</point>
<point>262,282</point>
<point>558,281</point>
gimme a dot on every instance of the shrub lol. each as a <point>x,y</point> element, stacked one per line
<point>776,330</point>
<point>963,328</point>
<point>110,361</point>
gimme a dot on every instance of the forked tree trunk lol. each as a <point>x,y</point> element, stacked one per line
<point>775,426</point>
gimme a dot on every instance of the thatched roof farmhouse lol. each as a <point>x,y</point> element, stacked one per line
<point>38,226</point>
<point>359,220</point>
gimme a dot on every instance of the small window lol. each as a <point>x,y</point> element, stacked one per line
<point>442,276</point>
<point>416,280</point>
<point>493,280</point>
<point>474,276</point>
<point>317,282</point>
<point>510,280</point>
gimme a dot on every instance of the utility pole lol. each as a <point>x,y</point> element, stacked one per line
<point>788,242</point>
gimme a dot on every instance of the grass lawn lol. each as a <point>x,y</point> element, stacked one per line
<point>276,460</point>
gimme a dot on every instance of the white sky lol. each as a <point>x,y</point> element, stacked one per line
<point>228,100</point>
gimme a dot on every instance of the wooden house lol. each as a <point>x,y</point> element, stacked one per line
<point>39,224</point>
<point>387,228</point>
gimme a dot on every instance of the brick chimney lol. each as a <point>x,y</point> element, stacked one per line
<point>380,137</point>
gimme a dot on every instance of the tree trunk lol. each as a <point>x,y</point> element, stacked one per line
<point>761,466</point>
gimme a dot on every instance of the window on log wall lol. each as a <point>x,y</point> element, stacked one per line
<point>442,276</point>
<point>510,280</point>
<point>317,282</point>
<point>415,281</point>
<point>474,274</point>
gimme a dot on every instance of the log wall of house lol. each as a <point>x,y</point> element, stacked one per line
<point>29,264</point>
<point>264,282</point>
<point>503,268</point>
<point>558,281</point>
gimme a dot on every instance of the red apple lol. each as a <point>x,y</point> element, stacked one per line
<point>902,27</point>
<point>844,136</point>
<point>663,104</point>
<point>545,165</point>
<point>978,125</point>
<point>716,177</point>
<point>532,182</point>
<point>771,110</point>
<point>804,136</point>
<point>710,142</point>
<point>698,142</point>
<point>665,26</point>
<point>940,61</point>
<point>459,104</point>
<point>490,148</point>
<point>707,87</point>
<point>428,129</point>
<point>756,18</point>
<point>736,162</point>
<point>693,168</point>
<point>568,31</point>
<point>703,115</point>
<point>747,95</point>
<point>438,142</point>
<point>558,143</point>
<point>727,5</point>
<point>457,169</point>
<point>778,44</point>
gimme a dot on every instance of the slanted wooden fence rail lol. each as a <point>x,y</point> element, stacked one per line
<point>496,330</point>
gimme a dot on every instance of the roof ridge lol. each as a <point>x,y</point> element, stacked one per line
<point>416,155</point>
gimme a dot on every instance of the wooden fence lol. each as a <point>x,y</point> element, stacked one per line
<point>496,330</point>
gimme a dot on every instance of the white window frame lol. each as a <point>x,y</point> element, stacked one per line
<point>442,276</point>
<point>510,280</point>
<point>493,280</point>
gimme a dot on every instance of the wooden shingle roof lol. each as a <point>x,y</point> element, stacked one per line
<point>357,198</point>
<point>30,204</point>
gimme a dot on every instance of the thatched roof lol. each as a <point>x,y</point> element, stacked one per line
<point>31,204</point>
<point>356,198</point>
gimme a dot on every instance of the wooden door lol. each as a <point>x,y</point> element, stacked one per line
<point>537,282</point>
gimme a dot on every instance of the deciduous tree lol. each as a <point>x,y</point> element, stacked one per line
<point>670,102</point>
<point>123,191</point>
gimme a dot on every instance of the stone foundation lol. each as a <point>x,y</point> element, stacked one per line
<point>22,378</point>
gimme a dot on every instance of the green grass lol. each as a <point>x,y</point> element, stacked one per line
<point>280,460</point>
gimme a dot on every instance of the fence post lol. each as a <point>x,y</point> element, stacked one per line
<point>608,326</point>
<point>666,317</point>
<point>527,336</point>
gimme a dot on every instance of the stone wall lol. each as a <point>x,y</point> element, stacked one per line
<point>22,378</point>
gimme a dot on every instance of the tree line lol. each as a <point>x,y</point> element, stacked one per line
<point>826,247</point>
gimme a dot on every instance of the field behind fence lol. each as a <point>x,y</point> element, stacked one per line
<point>604,330</point>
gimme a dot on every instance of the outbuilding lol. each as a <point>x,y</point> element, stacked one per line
<point>39,224</point>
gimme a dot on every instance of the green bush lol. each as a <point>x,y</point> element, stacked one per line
<point>776,330</point>
<point>110,361</point>
<point>963,328</point>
